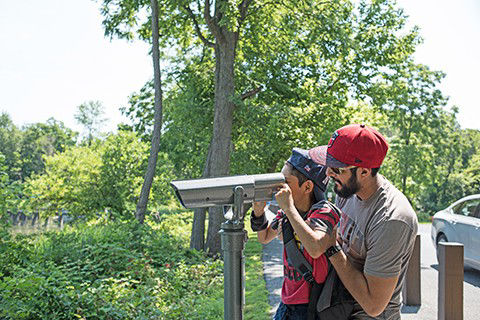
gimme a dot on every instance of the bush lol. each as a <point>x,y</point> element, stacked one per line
<point>113,271</point>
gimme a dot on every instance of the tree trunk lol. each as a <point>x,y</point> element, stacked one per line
<point>60,219</point>
<point>34,218</point>
<point>152,159</point>
<point>219,160</point>
<point>197,238</point>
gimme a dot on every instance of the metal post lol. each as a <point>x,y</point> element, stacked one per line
<point>450,281</point>
<point>233,237</point>
<point>411,291</point>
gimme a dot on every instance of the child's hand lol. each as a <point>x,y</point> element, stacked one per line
<point>284,198</point>
<point>259,208</point>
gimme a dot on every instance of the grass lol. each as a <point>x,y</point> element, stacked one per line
<point>256,294</point>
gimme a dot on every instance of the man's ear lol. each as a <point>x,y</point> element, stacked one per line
<point>365,172</point>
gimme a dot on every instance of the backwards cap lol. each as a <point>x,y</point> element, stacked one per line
<point>352,145</point>
<point>315,172</point>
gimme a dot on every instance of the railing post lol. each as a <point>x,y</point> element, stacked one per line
<point>411,291</point>
<point>450,281</point>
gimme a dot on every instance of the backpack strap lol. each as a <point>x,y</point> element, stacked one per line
<point>294,256</point>
<point>315,292</point>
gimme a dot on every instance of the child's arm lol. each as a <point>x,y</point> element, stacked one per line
<point>315,240</point>
<point>268,234</point>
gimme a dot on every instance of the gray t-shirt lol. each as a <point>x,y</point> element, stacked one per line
<point>378,236</point>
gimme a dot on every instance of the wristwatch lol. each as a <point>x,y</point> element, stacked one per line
<point>333,250</point>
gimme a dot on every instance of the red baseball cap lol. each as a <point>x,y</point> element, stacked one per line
<point>352,145</point>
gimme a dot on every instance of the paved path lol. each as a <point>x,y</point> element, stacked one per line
<point>273,272</point>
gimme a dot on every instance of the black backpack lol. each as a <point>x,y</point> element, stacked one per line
<point>329,300</point>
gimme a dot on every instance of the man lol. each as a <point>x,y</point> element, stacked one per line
<point>378,226</point>
<point>310,219</point>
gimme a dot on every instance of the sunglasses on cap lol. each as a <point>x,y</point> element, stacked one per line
<point>339,171</point>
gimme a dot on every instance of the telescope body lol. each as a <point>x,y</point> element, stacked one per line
<point>202,193</point>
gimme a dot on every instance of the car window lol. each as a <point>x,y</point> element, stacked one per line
<point>469,208</point>
<point>458,208</point>
<point>477,212</point>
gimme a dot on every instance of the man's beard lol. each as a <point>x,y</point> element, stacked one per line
<point>348,189</point>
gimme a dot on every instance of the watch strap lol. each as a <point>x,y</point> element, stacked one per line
<point>333,250</point>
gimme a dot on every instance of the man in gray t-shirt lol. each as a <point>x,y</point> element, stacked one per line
<point>377,228</point>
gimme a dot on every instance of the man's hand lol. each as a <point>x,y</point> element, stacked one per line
<point>259,208</point>
<point>284,198</point>
<point>331,237</point>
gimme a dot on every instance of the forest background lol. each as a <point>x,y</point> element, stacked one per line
<point>293,72</point>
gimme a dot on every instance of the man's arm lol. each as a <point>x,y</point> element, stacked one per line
<point>371,292</point>
<point>389,245</point>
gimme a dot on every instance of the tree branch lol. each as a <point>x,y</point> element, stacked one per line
<point>212,24</point>
<point>243,9</point>
<point>197,28</point>
<point>250,93</point>
<point>331,86</point>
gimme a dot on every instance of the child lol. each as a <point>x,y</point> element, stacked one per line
<point>300,200</point>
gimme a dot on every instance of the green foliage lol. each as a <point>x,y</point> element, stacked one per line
<point>324,55</point>
<point>71,181</point>
<point>331,63</point>
<point>115,271</point>
<point>124,160</point>
<point>24,149</point>
<point>119,271</point>
<point>10,137</point>
<point>10,191</point>
<point>105,176</point>
<point>43,139</point>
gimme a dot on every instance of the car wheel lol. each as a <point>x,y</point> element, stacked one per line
<point>441,238</point>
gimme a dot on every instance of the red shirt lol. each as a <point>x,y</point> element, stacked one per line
<point>295,290</point>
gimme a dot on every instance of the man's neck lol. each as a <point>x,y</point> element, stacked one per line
<point>369,188</point>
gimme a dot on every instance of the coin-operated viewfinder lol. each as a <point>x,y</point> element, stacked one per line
<point>231,193</point>
<point>201,193</point>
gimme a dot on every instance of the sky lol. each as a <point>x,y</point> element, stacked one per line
<point>54,57</point>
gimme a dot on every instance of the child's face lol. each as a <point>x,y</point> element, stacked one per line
<point>298,193</point>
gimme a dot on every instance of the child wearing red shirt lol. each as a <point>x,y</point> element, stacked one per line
<point>300,200</point>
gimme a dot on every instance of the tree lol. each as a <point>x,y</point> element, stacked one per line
<point>71,181</point>
<point>155,144</point>
<point>413,103</point>
<point>42,139</point>
<point>224,26</point>
<point>272,95</point>
<point>10,144</point>
<point>85,180</point>
<point>90,115</point>
<point>124,159</point>
<point>5,189</point>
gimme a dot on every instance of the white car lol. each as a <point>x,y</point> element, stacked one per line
<point>460,222</point>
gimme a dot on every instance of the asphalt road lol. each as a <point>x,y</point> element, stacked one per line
<point>429,284</point>
<point>272,257</point>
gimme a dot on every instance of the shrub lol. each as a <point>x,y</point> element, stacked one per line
<point>110,271</point>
